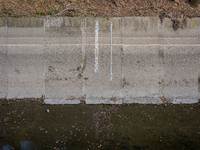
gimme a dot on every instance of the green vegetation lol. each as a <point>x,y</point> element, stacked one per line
<point>51,12</point>
<point>74,14</point>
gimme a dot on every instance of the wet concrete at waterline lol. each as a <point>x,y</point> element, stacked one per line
<point>29,124</point>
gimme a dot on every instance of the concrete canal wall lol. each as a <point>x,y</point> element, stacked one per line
<point>70,60</point>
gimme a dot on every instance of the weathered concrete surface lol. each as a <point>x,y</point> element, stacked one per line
<point>141,71</point>
<point>25,71</point>
<point>98,85</point>
<point>55,58</point>
<point>181,72</point>
<point>3,72</point>
<point>63,76</point>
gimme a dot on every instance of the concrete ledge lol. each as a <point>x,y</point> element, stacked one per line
<point>63,22</point>
<point>24,22</point>
<point>100,100</point>
<point>60,101</point>
<point>139,23</point>
<point>142,100</point>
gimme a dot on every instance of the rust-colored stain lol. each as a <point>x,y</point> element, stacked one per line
<point>166,100</point>
<point>114,99</point>
<point>103,98</point>
<point>76,98</point>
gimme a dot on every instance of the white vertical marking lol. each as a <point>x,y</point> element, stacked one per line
<point>96,45</point>
<point>111,51</point>
<point>44,24</point>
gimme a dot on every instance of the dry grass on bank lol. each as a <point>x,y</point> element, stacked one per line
<point>100,8</point>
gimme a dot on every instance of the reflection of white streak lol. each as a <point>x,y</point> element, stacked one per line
<point>111,51</point>
<point>96,45</point>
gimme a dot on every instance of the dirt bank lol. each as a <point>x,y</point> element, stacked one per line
<point>96,8</point>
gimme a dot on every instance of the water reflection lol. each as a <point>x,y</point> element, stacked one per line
<point>26,145</point>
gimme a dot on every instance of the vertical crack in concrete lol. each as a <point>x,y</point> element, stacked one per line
<point>44,38</point>
<point>161,51</point>
<point>83,63</point>
<point>199,85</point>
<point>199,77</point>
<point>161,62</point>
<point>111,51</point>
<point>6,28</point>
<point>122,55</point>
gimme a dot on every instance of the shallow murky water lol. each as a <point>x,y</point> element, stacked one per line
<point>30,125</point>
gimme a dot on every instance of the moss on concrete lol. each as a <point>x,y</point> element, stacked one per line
<point>1,22</point>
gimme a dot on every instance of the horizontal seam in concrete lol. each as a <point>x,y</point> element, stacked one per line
<point>103,44</point>
<point>102,37</point>
<point>24,38</point>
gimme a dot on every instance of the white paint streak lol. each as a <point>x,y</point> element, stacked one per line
<point>6,23</point>
<point>111,51</point>
<point>44,24</point>
<point>96,45</point>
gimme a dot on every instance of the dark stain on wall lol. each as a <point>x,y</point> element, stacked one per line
<point>199,84</point>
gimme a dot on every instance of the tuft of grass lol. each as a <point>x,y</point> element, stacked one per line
<point>51,12</point>
<point>21,1</point>
<point>10,13</point>
<point>74,14</point>
<point>78,3</point>
<point>26,15</point>
<point>40,13</point>
<point>43,5</point>
<point>33,2</point>
<point>17,15</point>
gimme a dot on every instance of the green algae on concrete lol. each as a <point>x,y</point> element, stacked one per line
<point>132,22</point>
<point>36,22</point>
<point>194,22</point>
<point>25,22</point>
<point>168,23</point>
<point>1,22</point>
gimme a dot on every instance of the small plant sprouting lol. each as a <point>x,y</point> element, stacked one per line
<point>33,1</point>
<point>17,15</point>
<point>40,13</point>
<point>10,13</point>
<point>26,15</point>
<point>51,12</point>
<point>74,14</point>
<point>78,3</point>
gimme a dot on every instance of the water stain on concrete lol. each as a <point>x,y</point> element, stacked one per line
<point>199,84</point>
<point>51,69</point>
<point>17,71</point>
<point>79,76</point>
